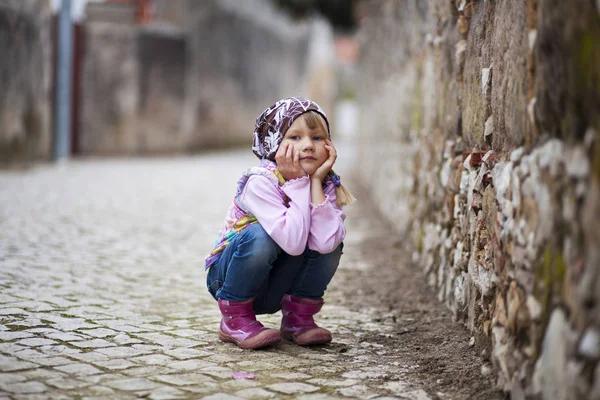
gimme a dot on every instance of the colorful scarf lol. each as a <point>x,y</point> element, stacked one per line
<point>238,218</point>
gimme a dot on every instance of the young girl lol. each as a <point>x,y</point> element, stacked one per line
<point>282,239</point>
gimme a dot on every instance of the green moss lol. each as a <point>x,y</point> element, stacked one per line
<point>420,240</point>
<point>586,78</point>
<point>555,265</point>
<point>549,283</point>
<point>417,109</point>
<point>18,328</point>
<point>596,157</point>
<point>588,60</point>
<point>549,278</point>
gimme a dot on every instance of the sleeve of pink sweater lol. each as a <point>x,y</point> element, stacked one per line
<point>288,226</point>
<point>327,224</point>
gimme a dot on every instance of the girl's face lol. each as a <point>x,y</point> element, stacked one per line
<point>309,143</point>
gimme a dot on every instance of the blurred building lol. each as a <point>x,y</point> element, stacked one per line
<point>121,11</point>
<point>156,76</point>
<point>170,76</point>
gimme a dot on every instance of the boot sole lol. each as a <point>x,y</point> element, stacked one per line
<point>308,339</point>
<point>263,339</point>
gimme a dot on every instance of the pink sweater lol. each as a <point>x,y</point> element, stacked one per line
<point>321,226</point>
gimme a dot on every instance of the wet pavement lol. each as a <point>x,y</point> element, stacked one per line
<point>102,292</point>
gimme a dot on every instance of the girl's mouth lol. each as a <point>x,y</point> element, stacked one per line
<point>309,158</point>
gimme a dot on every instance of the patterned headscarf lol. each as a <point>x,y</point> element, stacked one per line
<point>274,122</point>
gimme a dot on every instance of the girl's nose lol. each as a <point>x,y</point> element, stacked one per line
<point>308,144</point>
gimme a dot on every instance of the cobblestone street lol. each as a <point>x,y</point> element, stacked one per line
<point>102,295</point>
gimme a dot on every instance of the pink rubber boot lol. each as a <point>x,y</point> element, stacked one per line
<point>297,323</point>
<point>239,326</point>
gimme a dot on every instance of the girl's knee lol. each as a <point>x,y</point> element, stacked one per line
<point>257,234</point>
<point>330,261</point>
<point>256,244</point>
<point>338,251</point>
<point>330,258</point>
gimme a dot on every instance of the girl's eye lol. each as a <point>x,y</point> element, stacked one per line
<point>317,138</point>
<point>295,137</point>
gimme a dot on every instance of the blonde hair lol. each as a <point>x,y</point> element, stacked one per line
<point>315,120</point>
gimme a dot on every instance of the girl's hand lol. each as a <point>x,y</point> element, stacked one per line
<point>324,169</point>
<point>288,162</point>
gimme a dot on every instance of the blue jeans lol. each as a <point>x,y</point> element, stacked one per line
<point>254,266</point>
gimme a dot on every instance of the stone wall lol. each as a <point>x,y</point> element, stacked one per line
<point>479,138</point>
<point>188,86</point>
<point>25,76</point>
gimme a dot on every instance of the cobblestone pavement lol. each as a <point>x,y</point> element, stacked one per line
<point>102,293</point>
